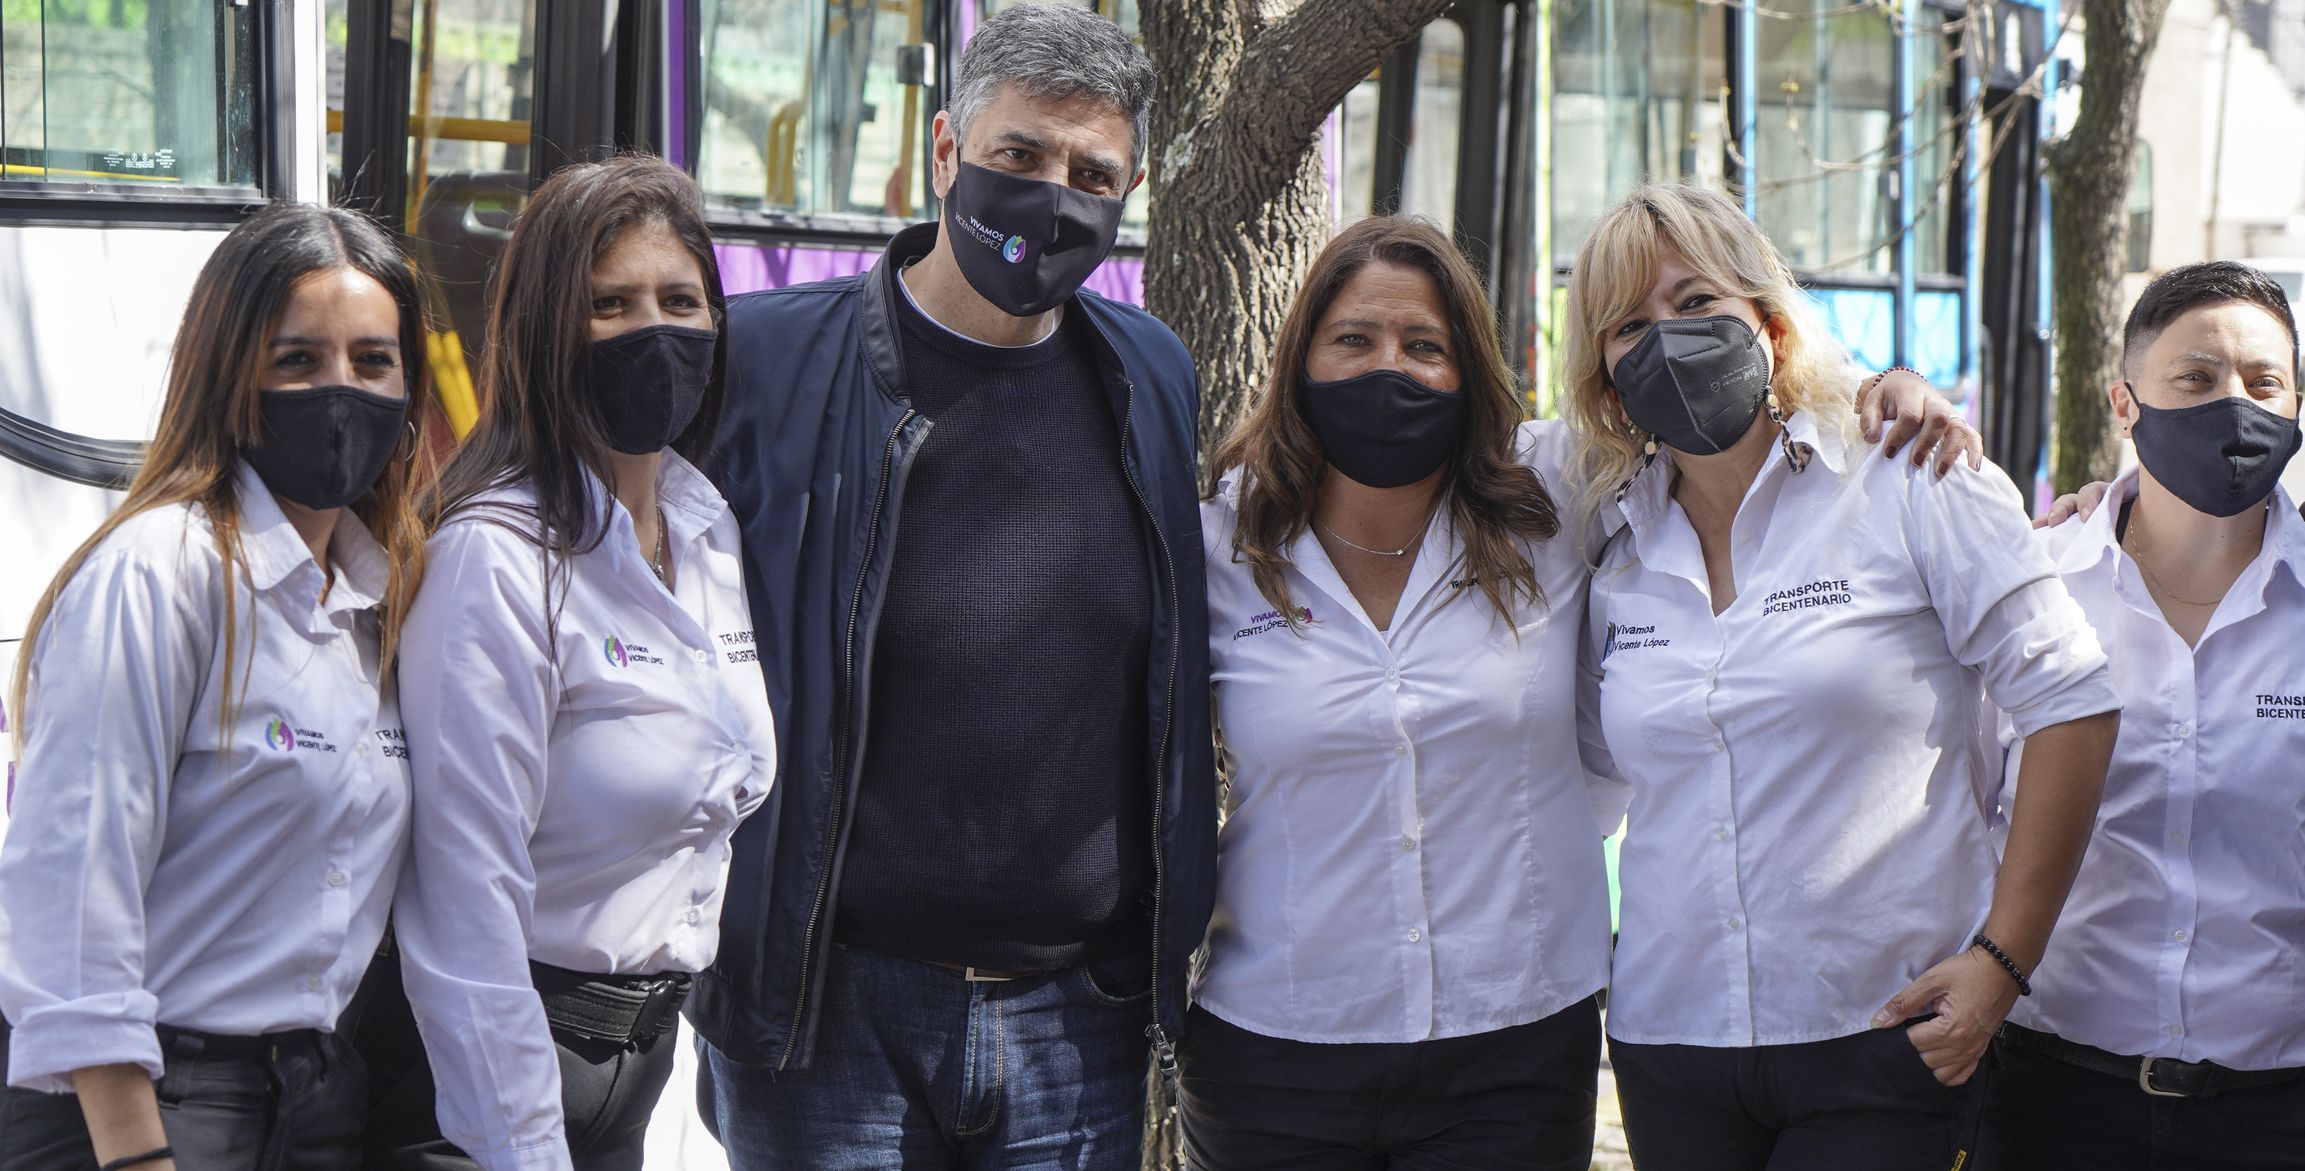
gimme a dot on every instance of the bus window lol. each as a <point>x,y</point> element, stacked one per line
<point>1937,199</point>
<point>2140,209</point>
<point>1827,116</point>
<point>1639,92</point>
<point>1356,165</point>
<point>805,111</point>
<point>156,93</point>
<point>1429,173</point>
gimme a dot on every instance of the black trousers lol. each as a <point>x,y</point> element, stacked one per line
<point>2049,1115</point>
<point>1516,1099</point>
<point>607,1091</point>
<point>1865,1101</point>
<point>289,1102</point>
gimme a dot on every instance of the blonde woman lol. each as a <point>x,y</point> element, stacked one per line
<point>1788,645</point>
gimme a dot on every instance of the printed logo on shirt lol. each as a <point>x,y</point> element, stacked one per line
<point>1631,638</point>
<point>393,743</point>
<point>624,654</point>
<point>737,646</point>
<point>2280,707</point>
<point>1273,620</point>
<point>1828,592</point>
<point>282,736</point>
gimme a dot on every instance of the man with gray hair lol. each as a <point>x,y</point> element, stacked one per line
<point>968,496</point>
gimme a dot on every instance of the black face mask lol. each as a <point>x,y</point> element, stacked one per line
<point>649,383</point>
<point>1383,428</point>
<point>2220,457</point>
<point>1696,383</point>
<point>1024,244</point>
<point>325,447</point>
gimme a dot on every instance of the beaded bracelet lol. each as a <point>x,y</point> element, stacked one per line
<point>1876,379</point>
<point>2024,986</point>
<point>152,1156</point>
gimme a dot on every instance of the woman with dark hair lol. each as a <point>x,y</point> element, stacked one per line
<point>587,720</point>
<point>1412,908</point>
<point>214,800</point>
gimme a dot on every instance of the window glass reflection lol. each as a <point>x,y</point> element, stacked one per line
<point>145,92</point>
<point>1640,93</point>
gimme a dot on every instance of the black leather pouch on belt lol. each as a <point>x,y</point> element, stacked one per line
<point>622,1009</point>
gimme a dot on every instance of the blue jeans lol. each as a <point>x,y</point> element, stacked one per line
<point>918,1069</point>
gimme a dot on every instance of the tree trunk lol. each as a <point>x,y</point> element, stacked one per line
<point>1239,201</point>
<point>2089,227</point>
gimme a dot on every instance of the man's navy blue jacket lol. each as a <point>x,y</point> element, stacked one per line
<point>816,440</point>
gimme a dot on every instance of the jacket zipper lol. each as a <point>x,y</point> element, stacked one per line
<point>1164,1051</point>
<point>847,723</point>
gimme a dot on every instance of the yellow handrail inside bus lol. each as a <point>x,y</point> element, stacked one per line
<point>452,380</point>
<point>504,130</point>
<point>782,152</point>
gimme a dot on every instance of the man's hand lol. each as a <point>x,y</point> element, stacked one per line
<point>1919,419</point>
<point>1971,994</point>
<point>2082,504</point>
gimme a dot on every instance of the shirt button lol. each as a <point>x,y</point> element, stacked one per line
<point>2179,936</point>
<point>1392,674</point>
<point>360,749</point>
<point>2184,730</point>
<point>1721,834</point>
<point>1720,745</point>
<point>2176,835</point>
<point>1736,924</point>
<point>692,915</point>
<point>336,878</point>
<point>1400,750</point>
<point>1415,935</point>
<point>1408,843</point>
<point>2176,1030</point>
<point>312,983</point>
<point>700,656</point>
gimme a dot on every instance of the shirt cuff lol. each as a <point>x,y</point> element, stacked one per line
<point>54,1040</point>
<point>2093,695</point>
<point>549,1155</point>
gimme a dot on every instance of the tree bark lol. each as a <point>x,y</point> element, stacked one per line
<point>2089,227</point>
<point>1239,199</point>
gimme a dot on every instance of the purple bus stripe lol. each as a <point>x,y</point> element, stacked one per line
<point>745,268</point>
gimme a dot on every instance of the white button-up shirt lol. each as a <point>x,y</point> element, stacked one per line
<point>1812,771</point>
<point>168,865</point>
<point>578,773</point>
<point>1410,851</point>
<point>2184,936</point>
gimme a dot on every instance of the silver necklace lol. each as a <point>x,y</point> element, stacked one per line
<point>657,564</point>
<point>1403,551</point>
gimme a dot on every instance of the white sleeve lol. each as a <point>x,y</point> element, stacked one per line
<point>477,699</point>
<point>2005,611</point>
<point>1610,794</point>
<point>117,676</point>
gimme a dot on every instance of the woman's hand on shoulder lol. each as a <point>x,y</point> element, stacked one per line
<point>2082,503</point>
<point>1920,421</point>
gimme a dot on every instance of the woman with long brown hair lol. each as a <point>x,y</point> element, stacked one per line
<point>585,708</point>
<point>213,803</point>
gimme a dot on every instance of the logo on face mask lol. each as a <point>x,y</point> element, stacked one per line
<point>1013,251</point>
<point>278,736</point>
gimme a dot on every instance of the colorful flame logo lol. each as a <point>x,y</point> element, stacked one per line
<point>614,649</point>
<point>1013,251</point>
<point>278,736</point>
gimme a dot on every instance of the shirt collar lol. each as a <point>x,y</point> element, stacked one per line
<point>2094,542</point>
<point>691,504</point>
<point>276,552</point>
<point>1649,497</point>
